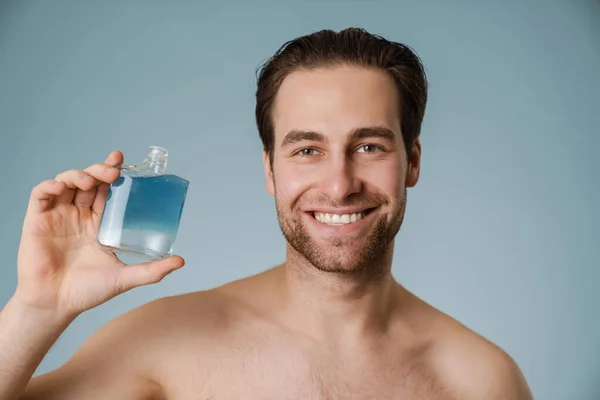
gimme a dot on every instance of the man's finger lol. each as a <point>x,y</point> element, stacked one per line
<point>132,276</point>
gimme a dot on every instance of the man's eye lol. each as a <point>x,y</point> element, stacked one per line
<point>369,148</point>
<point>307,152</point>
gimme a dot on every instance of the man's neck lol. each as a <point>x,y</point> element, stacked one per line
<point>340,306</point>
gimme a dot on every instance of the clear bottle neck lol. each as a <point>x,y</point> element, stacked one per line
<point>156,160</point>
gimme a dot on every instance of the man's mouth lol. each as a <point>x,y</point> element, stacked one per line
<point>340,219</point>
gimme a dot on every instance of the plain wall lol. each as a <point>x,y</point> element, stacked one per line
<point>501,232</point>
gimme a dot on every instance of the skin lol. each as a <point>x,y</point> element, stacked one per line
<point>331,322</point>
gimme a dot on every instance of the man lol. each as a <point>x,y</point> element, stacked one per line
<point>339,115</point>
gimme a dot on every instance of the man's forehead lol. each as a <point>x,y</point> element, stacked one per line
<point>335,84</point>
<point>336,101</point>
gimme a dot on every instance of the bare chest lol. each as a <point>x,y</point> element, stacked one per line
<point>270,371</point>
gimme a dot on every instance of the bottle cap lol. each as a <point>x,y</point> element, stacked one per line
<point>159,148</point>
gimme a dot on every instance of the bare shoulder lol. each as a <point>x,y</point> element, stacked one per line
<point>207,312</point>
<point>474,367</point>
<point>125,358</point>
<point>169,322</point>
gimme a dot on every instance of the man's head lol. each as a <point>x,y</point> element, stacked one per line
<point>339,115</point>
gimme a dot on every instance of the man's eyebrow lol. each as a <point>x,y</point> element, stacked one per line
<point>296,136</point>
<point>373,132</point>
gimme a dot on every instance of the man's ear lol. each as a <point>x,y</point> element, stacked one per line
<point>414,164</point>
<point>270,183</point>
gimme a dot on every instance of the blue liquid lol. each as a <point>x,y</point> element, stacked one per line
<point>142,214</point>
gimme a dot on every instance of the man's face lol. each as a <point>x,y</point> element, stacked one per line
<point>340,170</point>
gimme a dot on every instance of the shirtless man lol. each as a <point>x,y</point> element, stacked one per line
<point>341,142</point>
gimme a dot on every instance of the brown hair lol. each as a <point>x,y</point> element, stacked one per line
<point>352,46</point>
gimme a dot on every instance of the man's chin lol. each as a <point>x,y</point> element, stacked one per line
<point>340,255</point>
<point>334,265</point>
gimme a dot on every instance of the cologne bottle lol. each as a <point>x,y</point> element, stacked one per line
<point>143,209</point>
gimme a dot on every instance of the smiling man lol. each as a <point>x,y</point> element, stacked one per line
<point>339,114</point>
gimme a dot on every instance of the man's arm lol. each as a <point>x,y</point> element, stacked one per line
<point>26,335</point>
<point>107,366</point>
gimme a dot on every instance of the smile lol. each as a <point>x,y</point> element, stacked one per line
<point>340,219</point>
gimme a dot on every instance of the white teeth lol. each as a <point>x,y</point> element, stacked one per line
<point>338,219</point>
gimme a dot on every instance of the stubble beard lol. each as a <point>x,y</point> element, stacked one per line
<point>344,256</point>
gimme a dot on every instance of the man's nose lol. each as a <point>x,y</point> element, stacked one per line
<point>339,179</point>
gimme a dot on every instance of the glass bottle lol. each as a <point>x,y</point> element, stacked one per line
<point>143,209</point>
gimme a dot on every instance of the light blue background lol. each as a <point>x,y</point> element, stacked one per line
<point>501,232</point>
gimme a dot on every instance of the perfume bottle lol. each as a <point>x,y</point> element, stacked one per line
<point>143,209</point>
